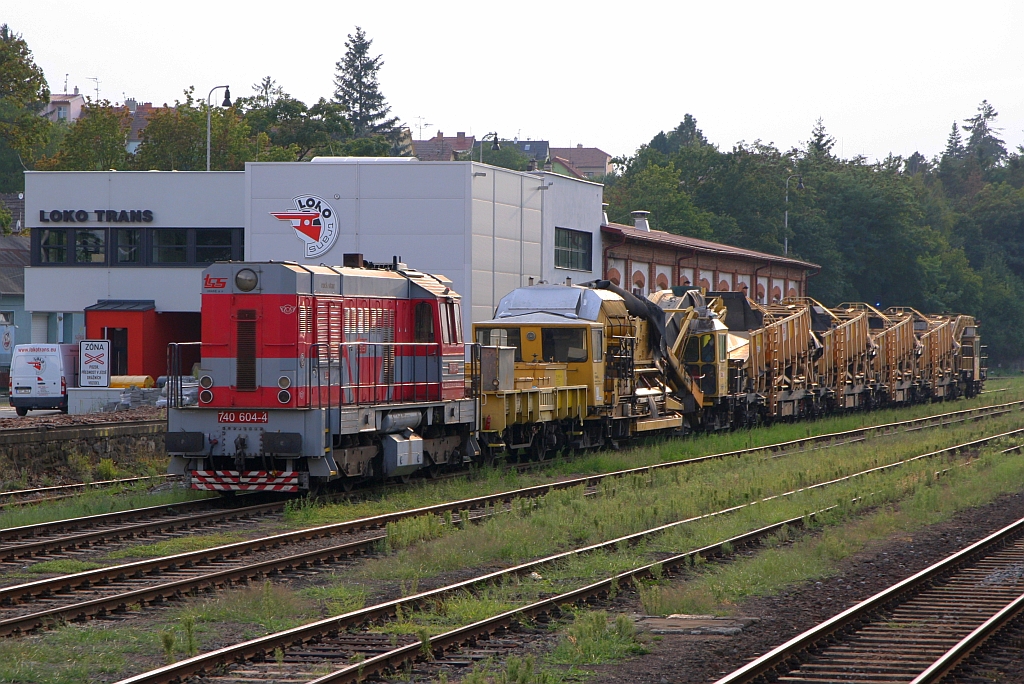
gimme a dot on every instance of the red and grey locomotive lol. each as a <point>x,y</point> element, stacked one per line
<point>316,373</point>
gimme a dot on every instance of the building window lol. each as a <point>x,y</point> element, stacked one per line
<point>573,249</point>
<point>62,113</point>
<point>90,246</point>
<point>53,246</point>
<point>6,318</point>
<point>213,245</point>
<point>170,246</point>
<point>129,246</point>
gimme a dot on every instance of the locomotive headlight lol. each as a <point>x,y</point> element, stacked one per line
<point>206,396</point>
<point>246,280</point>
<point>206,382</point>
<point>284,382</point>
<point>284,396</point>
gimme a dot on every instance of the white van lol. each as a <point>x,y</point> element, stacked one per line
<point>41,375</point>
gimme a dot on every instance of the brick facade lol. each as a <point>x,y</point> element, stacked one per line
<point>644,261</point>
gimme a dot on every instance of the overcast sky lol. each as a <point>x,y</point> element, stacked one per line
<point>884,76</point>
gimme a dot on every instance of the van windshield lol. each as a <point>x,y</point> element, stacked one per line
<point>33,364</point>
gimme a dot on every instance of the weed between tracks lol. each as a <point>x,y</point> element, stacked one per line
<point>169,547</point>
<point>95,502</point>
<point>425,554</point>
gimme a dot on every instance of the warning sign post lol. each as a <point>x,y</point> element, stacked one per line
<point>94,363</point>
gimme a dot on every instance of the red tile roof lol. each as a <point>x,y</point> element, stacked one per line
<point>660,237</point>
<point>572,170</point>
<point>582,156</point>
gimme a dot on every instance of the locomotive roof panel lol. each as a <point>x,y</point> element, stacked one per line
<point>292,278</point>
<point>558,301</point>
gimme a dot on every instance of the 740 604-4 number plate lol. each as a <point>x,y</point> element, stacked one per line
<point>243,417</point>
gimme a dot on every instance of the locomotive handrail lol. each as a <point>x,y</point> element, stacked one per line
<point>174,376</point>
<point>388,365</point>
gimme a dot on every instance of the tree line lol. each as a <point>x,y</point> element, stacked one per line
<point>941,235</point>
<point>267,125</point>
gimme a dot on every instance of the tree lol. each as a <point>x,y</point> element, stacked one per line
<point>97,141</point>
<point>954,144</point>
<point>656,189</point>
<point>288,124</point>
<point>357,90</point>
<point>983,144</point>
<point>821,142</point>
<point>174,138</point>
<point>686,133</point>
<point>507,157</point>
<point>23,96</point>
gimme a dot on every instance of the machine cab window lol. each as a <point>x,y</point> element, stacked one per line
<point>564,345</point>
<point>501,337</point>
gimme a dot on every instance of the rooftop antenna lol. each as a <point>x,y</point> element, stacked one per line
<point>97,81</point>
<point>65,83</point>
<point>420,126</point>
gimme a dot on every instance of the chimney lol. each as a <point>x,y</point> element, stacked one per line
<point>531,165</point>
<point>76,90</point>
<point>579,146</point>
<point>547,166</point>
<point>568,282</point>
<point>640,220</point>
<point>131,104</point>
<point>440,135</point>
<point>461,135</point>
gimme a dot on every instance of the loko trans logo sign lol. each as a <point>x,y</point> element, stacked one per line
<point>314,222</point>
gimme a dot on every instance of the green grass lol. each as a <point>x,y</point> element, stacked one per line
<point>423,550</point>
<point>489,481</point>
<point>95,502</point>
<point>63,566</point>
<point>566,519</point>
<point>170,547</point>
<point>816,557</point>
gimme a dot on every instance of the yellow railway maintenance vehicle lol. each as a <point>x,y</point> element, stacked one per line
<point>589,366</point>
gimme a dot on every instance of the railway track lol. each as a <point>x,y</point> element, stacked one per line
<point>918,631</point>
<point>95,592</point>
<point>23,497</point>
<point>298,654</point>
<point>60,535</point>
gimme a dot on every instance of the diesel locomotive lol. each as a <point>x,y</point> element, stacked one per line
<point>312,375</point>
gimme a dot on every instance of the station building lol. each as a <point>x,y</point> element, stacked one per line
<point>120,255</point>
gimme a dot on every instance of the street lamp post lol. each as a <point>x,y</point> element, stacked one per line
<point>785,219</point>
<point>495,146</point>
<point>209,104</point>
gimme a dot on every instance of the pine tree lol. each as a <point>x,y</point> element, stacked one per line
<point>358,91</point>
<point>954,144</point>
<point>821,143</point>
<point>983,143</point>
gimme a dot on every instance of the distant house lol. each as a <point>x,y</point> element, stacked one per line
<point>15,203</point>
<point>564,167</point>
<point>590,161</point>
<point>15,323</point>
<point>442,147</point>
<point>66,107</point>
<point>140,114</point>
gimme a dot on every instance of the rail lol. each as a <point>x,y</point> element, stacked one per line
<point>784,655</point>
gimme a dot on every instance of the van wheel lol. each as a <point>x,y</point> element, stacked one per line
<point>63,408</point>
<point>21,411</point>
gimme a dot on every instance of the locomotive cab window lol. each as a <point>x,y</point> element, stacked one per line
<point>564,345</point>
<point>423,322</point>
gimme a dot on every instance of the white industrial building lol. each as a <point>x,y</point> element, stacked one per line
<point>126,250</point>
